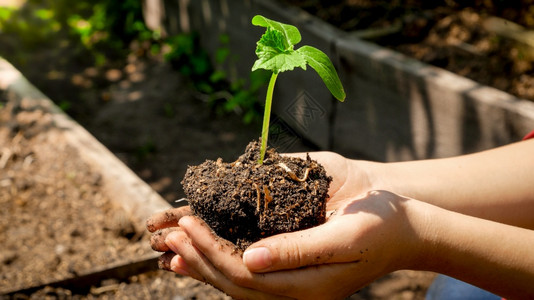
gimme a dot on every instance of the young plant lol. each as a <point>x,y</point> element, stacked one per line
<point>276,54</point>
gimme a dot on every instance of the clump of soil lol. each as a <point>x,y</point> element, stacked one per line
<point>244,201</point>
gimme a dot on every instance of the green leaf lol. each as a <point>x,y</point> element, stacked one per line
<point>272,38</point>
<point>320,62</point>
<point>280,62</point>
<point>221,54</point>
<point>290,33</point>
<point>272,56</point>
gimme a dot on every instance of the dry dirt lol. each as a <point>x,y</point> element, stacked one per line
<point>55,221</point>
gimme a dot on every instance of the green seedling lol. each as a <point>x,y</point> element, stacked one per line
<point>276,54</point>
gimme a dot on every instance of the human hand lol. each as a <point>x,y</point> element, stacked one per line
<point>348,178</point>
<point>317,248</point>
<point>368,236</point>
<point>160,225</point>
<point>340,168</point>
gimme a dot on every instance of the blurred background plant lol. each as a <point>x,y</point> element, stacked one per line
<point>103,27</point>
<point>85,42</point>
<point>209,76</point>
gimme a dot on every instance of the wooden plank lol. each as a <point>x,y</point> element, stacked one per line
<point>83,283</point>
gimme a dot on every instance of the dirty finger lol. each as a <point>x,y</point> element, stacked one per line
<point>157,239</point>
<point>168,218</point>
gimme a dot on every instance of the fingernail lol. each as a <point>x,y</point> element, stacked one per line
<point>257,259</point>
<point>179,266</point>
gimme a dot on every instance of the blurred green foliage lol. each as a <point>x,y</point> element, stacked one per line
<point>209,76</point>
<point>103,27</point>
<point>99,32</point>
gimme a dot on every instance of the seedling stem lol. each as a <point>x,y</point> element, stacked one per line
<point>267,116</point>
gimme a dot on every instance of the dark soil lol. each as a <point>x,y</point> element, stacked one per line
<point>447,34</point>
<point>244,201</point>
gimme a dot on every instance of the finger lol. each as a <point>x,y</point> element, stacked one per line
<point>328,281</point>
<point>200,268</point>
<point>157,239</point>
<point>168,218</point>
<point>211,245</point>
<point>164,261</point>
<point>299,249</point>
<point>226,258</point>
<point>178,265</point>
<point>292,283</point>
<point>175,263</point>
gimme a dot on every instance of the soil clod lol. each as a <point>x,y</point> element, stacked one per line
<point>244,201</point>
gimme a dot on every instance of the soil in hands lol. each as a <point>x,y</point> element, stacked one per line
<point>244,201</point>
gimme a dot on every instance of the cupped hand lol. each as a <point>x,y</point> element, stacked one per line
<point>366,236</point>
<point>341,169</point>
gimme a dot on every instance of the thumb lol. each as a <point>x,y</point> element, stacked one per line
<point>318,245</point>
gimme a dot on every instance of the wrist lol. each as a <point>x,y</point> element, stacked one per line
<point>375,174</point>
<point>421,236</point>
<point>403,233</point>
<point>399,178</point>
<point>416,235</point>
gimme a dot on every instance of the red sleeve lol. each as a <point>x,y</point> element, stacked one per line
<point>530,135</point>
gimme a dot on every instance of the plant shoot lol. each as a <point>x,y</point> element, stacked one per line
<point>276,53</point>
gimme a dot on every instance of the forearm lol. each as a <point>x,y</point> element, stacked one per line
<point>496,184</point>
<point>490,255</point>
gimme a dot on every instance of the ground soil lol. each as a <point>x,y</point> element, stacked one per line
<point>243,201</point>
<point>55,222</point>
<point>150,285</point>
<point>447,34</point>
